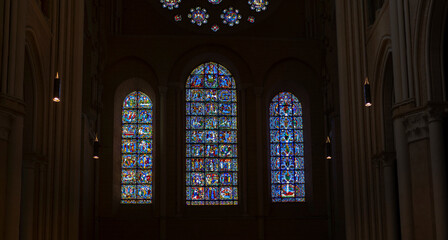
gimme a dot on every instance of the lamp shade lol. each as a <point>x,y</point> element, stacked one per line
<point>328,148</point>
<point>367,94</point>
<point>96,148</point>
<point>57,89</point>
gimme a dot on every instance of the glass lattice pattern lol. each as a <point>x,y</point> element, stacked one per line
<point>287,149</point>
<point>211,137</point>
<point>136,149</point>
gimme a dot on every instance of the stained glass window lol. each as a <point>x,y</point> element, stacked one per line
<point>136,149</point>
<point>287,149</point>
<point>170,4</point>
<point>211,137</point>
<point>258,5</point>
<point>230,16</point>
<point>198,16</point>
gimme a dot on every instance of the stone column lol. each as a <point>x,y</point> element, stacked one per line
<point>11,126</point>
<point>260,163</point>
<point>163,161</point>
<point>27,204</point>
<point>404,180</point>
<point>392,228</point>
<point>416,125</point>
<point>438,171</point>
<point>5,128</point>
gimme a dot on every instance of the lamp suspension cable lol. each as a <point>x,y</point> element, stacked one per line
<point>367,91</point>
<point>57,79</point>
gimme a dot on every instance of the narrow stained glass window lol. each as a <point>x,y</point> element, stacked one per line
<point>136,149</point>
<point>287,149</point>
<point>211,137</point>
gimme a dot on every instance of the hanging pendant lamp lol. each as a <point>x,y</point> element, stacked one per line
<point>96,148</point>
<point>367,93</point>
<point>57,89</point>
<point>328,148</point>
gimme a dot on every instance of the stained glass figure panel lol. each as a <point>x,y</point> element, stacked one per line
<point>136,148</point>
<point>211,137</point>
<point>287,149</point>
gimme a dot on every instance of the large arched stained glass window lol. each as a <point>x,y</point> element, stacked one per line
<point>211,137</point>
<point>136,149</point>
<point>287,149</point>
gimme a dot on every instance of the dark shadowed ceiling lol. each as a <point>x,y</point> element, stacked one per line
<point>282,18</point>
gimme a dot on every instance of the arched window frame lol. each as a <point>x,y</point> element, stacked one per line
<point>238,137</point>
<point>300,91</point>
<point>123,90</point>
<point>295,169</point>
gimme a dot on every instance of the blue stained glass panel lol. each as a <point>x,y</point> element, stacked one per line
<point>211,81</point>
<point>145,161</point>
<point>197,165</point>
<point>144,191</point>
<point>298,123</point>
<point>144,146</point>
<point>197,122</point>
<point>210,95</point>
<point>227,96</point>
<point>212,179</point>
<point>145,116</point>
<point>128,176</point>
<point>211,151</point>
<point>274,123</point>
<point>227,122</point>
<point>144,176</point>
<point>145,131</point>
<point>286,136</point>
<point>137,133</point>
<point>144,102</point>
<point>129,116</point>
<point>212,193</point>
<point>130,101</point>
<point>287,149</point>
<point>211,108</point>
<point>227,136</point>
<point>225,165</point>
<point>128,192</point>
<point>211,123</point>
<point>128,161</point>
<point>211,137</point>
<point>211,164</point>
<point>275,163</point>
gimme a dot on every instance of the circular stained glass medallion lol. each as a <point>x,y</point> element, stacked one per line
<point>219,16</point>
<point>231,16</point>
<point>198,16</point>
<point>258,5</point>
<point>170,4</point>
<point>215,1</point>
<point>215,28</point>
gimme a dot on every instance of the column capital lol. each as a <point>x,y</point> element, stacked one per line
<point>11,105</point>
<point>416,126</point>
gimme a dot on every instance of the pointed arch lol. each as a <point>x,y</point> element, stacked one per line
<point>211,136</point>
<point>136,149</point>
<point>287,152</point>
